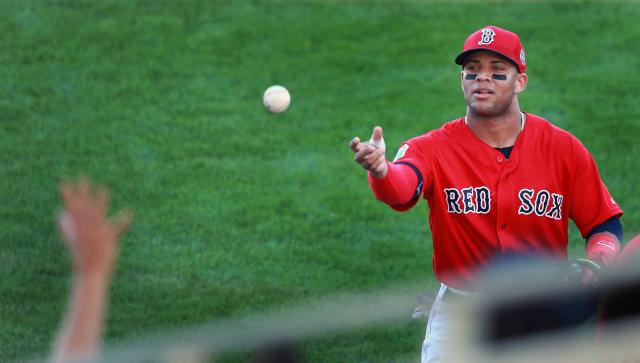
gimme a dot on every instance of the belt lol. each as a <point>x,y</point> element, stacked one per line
<point>451,296</point>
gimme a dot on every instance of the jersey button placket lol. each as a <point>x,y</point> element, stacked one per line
<point>500,199</point>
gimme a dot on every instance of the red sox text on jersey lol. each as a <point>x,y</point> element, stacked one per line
<point>478,200</point>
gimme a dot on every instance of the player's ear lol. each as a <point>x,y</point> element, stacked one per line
<point>521,82</point>
<point>462,80</point>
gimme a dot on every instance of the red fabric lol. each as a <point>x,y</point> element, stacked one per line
<point>603,248</point>
<point>397,187</point>
<point>482,205</point>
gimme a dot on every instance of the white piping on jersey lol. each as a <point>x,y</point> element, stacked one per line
<point>522,121</point>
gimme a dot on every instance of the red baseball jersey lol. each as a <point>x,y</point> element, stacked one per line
<point>482,205</point>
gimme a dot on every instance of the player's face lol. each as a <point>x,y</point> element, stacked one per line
<point>491,84</point>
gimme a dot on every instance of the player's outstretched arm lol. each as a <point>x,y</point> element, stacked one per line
<point>92,240</point>
<point>393,184</point>
<point>371,154</point>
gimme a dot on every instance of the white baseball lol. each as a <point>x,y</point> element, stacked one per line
<point>276,99</point>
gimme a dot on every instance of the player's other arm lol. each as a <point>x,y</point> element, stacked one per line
<point>593,209</point>
<point>603,246</point>
<point>397,185</point>
<point>604,242</point>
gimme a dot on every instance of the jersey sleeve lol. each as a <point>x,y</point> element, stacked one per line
<point>400,187</point>
<point>591,202</point>
<point>407,177</point>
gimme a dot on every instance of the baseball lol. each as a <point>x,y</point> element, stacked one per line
<point>276,99</point>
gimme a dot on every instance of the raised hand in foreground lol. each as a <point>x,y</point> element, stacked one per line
<point>92,240</point>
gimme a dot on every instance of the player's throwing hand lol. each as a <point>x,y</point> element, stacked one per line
<point>371,154</point>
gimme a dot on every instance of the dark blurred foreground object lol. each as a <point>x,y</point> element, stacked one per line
<point>621,301</point>
<point>278,352</point>
<point>542,312</point>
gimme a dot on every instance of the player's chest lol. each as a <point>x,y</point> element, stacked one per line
<point>527,186</point>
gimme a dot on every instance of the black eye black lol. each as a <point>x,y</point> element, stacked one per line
<point>470,76</point>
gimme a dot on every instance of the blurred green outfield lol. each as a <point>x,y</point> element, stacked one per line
<point>238,210</point>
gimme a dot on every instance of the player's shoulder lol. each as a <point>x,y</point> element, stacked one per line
<point>441,134</point>
<point>547,131</point>
<point>424,146</point>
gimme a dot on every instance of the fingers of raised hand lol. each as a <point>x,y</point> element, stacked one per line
<point>85,209</point>
<point>355,144</point>
<point>66,227</point>
<point>376,135</point>
<point>67,193</point>
<point>82,197</point>
<point>363,150</point>
<point>101,201</point>
<point>121,222</point>
<point>377,163</point>
<point>369,157</point>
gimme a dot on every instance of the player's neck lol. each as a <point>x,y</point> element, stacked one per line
<point>498,132</point>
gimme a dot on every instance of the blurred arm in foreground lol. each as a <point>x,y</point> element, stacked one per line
<point>92,240</point>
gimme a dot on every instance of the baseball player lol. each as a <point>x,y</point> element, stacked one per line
<point>498,181</point>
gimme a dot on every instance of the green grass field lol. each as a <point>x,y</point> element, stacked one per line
<point>241,211</point>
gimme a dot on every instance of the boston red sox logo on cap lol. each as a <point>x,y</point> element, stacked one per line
<point>497,40</point>
<point>487,36</point>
